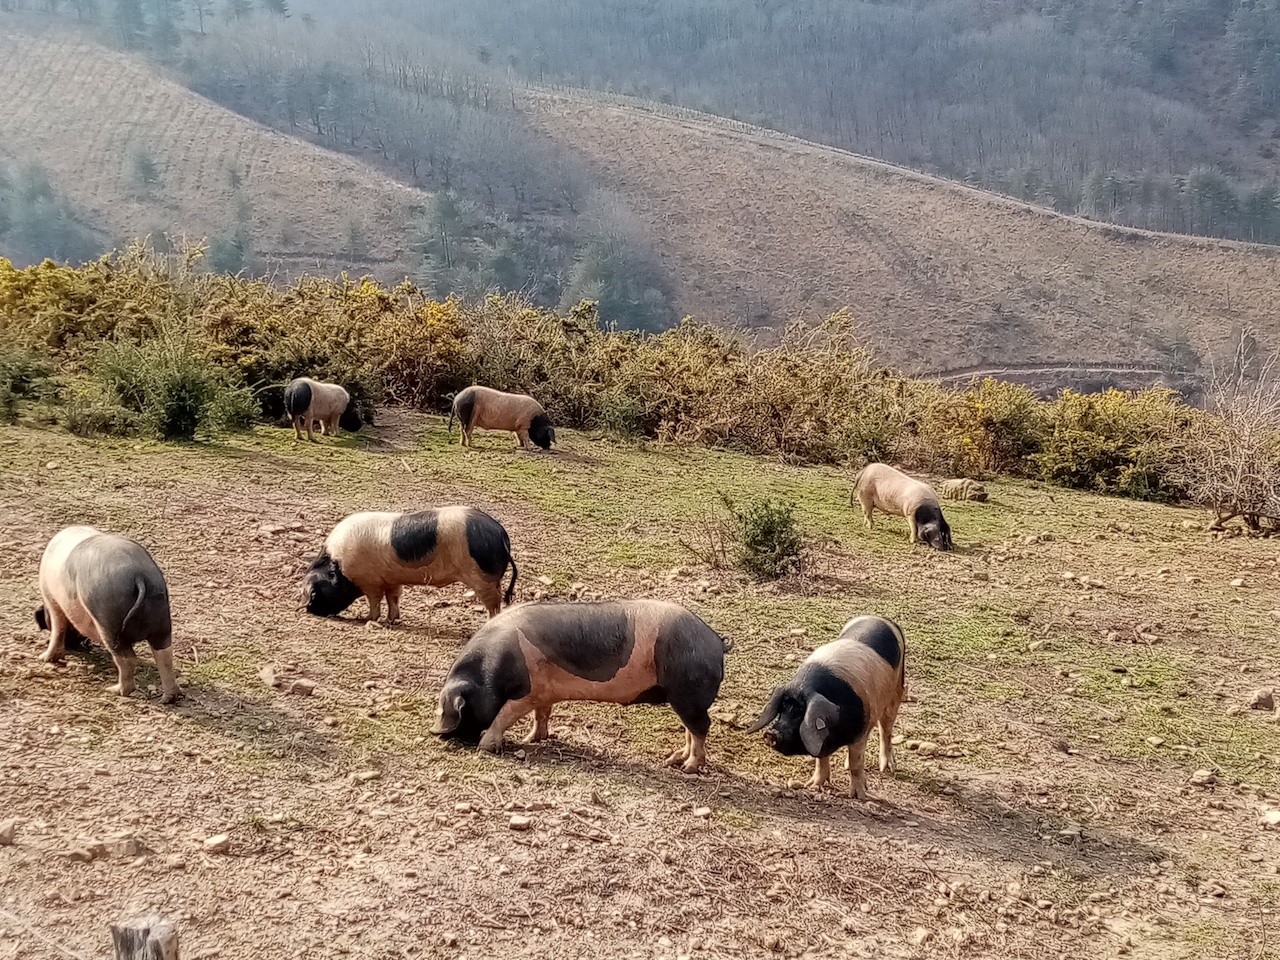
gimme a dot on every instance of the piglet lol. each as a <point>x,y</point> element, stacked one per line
<point>845,688</point>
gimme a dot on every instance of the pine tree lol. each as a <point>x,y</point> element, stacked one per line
<point>130,22</point>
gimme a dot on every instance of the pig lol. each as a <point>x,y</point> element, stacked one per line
<point>880,487</point>
<point>307,401</point>
<point>103,587</point>
<point>845,688</point>
<point>964,489</point>
<point>376,554</point>
<point>491,409</point>
<point>534,656</point>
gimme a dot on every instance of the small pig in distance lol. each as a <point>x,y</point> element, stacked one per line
<point>375,555</point>
<point>491,409</point>
<point>307,401</point>
<point>880,487</point>
<point>845,688</point>
<point>103,587</point>
<point>533,656</point>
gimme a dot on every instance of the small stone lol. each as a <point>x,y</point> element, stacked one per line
<point>518,822</point>
<point>927,748</point>
<point>1035,645</point>
<point>329,721</point>
<point>1264,698</point>
<point>702,813</point>
<point>51,465</point>
<point>1067,575</point>
<point>175,862</point>
<point>302,688</point>
<point>799,632</point>
<point>1202,778</point>
<point>364,776</point>
<point>1156,741</point>
<point>8,830</point>
<point>920,936</point>
<point>218,843</point>
<point>462,807</point>
<point>1238,582</point>
<point>545,581</point>
<point>127,847</point>
<point>80,855</point>
<point>1271,820</point>
<point>268,675</point>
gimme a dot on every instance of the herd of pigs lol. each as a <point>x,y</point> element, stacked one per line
<point>529,656</point>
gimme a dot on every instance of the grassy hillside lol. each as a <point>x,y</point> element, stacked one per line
<point>1062,812</point>
<point>759,227</point>
<point>133,151</point>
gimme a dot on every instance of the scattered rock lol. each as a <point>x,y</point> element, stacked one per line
<point>926,748</point>
<point>1238,582</point>
<point>302,687</point>
<point>175,862</point>
<point>8,830</point>
<point>268,675</point>
<point>81,855</point>
<point>1203,778</point>
<point>127,847</point>
<point>520,823</point>
<point>545,581</point>
<point>1035,645</point>
<point>1264,698</point>
<point>364,776</point>
<point>702,813</point>
<point>1271,820</point>
<point>218,843</point>
<point>462,807</point>
<point>799,631</point>
<point>1156,741</point>
<point>920,936</point>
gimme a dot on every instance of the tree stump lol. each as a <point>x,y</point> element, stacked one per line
<point>145,938</point>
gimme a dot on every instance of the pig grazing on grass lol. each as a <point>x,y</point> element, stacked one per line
<point>880,487</point>
<point>107,588</point>
<point>308,401</point>
<point>845,688</point>
<point>536,655</point>
<point>494,410</point>
<point>376,554</point>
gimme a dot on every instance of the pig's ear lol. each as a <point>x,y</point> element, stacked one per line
<point>448,724</point>
<point>769,713</point>
<point>819,716</point>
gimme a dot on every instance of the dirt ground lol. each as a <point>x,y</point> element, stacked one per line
<point>1078,777</point>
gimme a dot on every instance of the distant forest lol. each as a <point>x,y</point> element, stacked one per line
<point>1160,114</point>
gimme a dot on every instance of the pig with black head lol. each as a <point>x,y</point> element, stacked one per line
<point>880,487</point>
<point>308,402</point>
<point>533,656</point>
<point>103,587</point>
<point>376,555</point>
<point>490,409</point>
<point>845,688</point>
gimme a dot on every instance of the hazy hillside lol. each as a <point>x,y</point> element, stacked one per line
<point>133,151</point>
<point>762,227</point>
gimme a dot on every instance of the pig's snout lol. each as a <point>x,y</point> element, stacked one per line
<point>771,738</point>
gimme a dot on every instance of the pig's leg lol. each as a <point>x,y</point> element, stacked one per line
<point>868,507</point>
<point>126,666</point>
<point>821,773</point>
<point>911,526</point>
<point>169,692</point>
<point>541,725</point>
<point>491,742</point>
<point>58,627</point>
<point>682,754</point>
<point>311,429</point>
<point>857,769</point>
<point>490,594</point>
<point>886,740</point>
<point>374,596</point>
<point>697,724</point>
<point>522,438</point>
<point>297,429</point>
<point>393,604</point>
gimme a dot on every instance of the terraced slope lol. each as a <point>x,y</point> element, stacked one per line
<point>758,227</point>
<point>86,113</point>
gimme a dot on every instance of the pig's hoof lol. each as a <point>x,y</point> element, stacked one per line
<point>858,791</point>
<point>51,656</point>
<point>692,765</point>
<point>677,759</point>
<point>119,688</point>
<point>818,783</point>
<point>490,744</point>
<point>172,697</point>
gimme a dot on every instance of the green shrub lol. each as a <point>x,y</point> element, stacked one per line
<point>174,390</point>
<point>22,374</point>
<point>768,542</point>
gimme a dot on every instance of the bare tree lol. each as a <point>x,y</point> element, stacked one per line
<point>1231,459</point>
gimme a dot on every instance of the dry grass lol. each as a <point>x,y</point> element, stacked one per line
<point>977,849</point>
<point>758,227</point>
<point>82,112</point>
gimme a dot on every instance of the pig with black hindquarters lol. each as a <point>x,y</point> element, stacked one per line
<point>880,487</point>
<point>308,402</point>
<point>375,555</point>
<point>838,694</point>
<point>103,587</point>
<point>489,409</point>
<point>534,656</point>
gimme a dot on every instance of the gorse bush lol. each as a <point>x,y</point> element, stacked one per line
<point>184,347</point>
<point>21,375</point>
<point>767,541</point>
